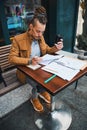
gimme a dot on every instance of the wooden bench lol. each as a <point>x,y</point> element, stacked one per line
<point>8,78</point>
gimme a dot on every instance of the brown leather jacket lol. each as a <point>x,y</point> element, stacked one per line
<point>21,50</point>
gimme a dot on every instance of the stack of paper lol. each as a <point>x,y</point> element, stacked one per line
<point>65,67</point>
<point>61,71</point>
<point>47,59</point>
<point>72,63</point>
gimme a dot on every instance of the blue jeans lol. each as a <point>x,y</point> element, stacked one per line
<point>36,88</point>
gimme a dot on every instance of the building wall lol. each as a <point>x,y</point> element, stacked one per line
<point>62,19</point>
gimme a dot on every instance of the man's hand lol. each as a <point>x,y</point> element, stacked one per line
<point>59,45</point>
<point>36,60</point>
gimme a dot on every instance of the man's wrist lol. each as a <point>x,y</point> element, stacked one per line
<point>30,61</point>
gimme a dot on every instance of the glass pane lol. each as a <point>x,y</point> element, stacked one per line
<point>18,14</point>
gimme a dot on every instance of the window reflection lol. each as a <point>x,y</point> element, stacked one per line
<point>17,16</point>
<point>16,21</point>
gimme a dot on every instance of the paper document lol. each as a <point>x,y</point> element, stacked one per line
<point>34,67</point>
<point>65,53</point>
<point>63,66</point>
<point>47,59</point>
<point>61,71</point>
<point>72,63</point>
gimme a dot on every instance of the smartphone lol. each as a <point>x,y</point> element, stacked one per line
<point>58,38</point>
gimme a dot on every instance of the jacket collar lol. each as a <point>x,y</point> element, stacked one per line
<point>31,37</point>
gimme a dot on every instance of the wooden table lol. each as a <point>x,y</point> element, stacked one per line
<point>53,120</point>
<point>55,85</point>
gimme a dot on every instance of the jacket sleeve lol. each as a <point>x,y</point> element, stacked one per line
<point>15,57</point>
<point>46,48</point>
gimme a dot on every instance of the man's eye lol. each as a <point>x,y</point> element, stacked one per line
<point>40,32</point>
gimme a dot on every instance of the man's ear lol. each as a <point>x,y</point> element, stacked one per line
<point>30,26</point>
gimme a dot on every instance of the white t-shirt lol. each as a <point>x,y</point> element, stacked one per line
<point>35,49</point>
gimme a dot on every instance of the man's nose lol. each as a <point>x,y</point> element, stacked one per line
<point>40,34</point>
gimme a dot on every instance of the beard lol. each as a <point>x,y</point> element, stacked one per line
<point>37,37</point>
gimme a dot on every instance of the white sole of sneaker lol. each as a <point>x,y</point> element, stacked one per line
<point>36,108</point>
<point>44,99</point>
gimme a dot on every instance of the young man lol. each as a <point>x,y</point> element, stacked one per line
<point>27,48</point>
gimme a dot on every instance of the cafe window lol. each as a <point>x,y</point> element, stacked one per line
<point>18,14</point>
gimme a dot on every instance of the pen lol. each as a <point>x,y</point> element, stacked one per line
<point>47,80</point>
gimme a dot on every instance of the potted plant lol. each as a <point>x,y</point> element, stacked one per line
<point>81,47</point>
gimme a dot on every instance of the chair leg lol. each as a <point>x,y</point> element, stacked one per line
<point>4,83</point>
<point>1,78</point>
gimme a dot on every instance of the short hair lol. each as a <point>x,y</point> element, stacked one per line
<point>39,15</point>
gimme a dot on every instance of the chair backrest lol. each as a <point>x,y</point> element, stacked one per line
<point>4,53</point>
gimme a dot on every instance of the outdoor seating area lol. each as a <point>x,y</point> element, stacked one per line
<point>74,96</point>
<point>43,65</point>
<point>25,114</point>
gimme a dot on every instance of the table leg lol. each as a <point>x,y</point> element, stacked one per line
<point>58,118</point>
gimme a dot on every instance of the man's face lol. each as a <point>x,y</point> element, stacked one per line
<point>37,30</point>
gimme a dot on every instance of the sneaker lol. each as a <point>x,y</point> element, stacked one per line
<point>46,97</point>
<point>37,105</point>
